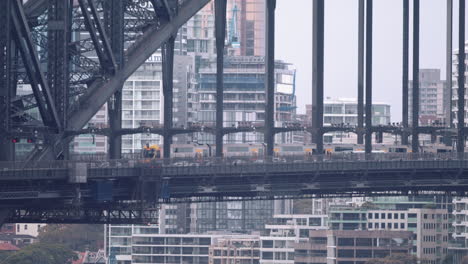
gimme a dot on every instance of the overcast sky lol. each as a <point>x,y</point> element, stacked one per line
<point>294,45</point>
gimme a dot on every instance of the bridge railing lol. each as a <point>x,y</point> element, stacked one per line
<point>343,161</point>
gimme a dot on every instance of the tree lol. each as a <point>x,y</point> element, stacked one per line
<point>395,259</point>
<point>76,237</point>
<point>41,253</point>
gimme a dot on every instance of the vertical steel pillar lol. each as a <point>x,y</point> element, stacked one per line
<point>461,78</point>
<point>58,38</point>
<point>360,105</point>
<point>270,76</point>
<point>448,61</point>
<point>114,24</point>
<point>168,68</point>
<point>317,73</point>
<point>415,91</point>
<point>368,143</point>
<point>7,152</point>
<point>405,81</point>
<point>220,32</point>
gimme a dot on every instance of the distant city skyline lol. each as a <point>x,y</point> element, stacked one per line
<point>295,46</point>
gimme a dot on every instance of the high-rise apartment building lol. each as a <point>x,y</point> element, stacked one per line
<point>244,97</point>
<point>432,97</point>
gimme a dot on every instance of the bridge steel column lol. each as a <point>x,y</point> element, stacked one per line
<point>220,32</point>
<point>114,24</point>
<point>461,78</point>
<point>360,105</point>
<point>368,140</point>
<point>168,68</point>
<point>448,61</point>
<point>58,39</point>
<point>270,76</point>
<point>317,74</point>
<point>405,81</point>
<point>7,152</point>
<point>415,90</point>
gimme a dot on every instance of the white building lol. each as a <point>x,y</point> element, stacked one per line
<point>343,112</point>
<point>285,231</point>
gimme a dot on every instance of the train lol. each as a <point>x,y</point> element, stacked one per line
<point>199,151</point>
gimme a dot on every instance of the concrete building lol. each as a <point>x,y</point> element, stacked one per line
<point>22,229</point>
<point>340,246</point>
<point>234,216</point>
<point>432,97</point>
<point>285,231</point>
<point>459,245</point>
<point>244,98</point>
<point>343,111</point>
<point>242,250</point>
<point>430,227</point>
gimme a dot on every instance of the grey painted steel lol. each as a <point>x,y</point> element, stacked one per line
<point>6,91</point>
<point>317,73</point>
<point>220,32</point>
<point>448,64</point>
<point>368,138</point>
<point>101,90</point>
<point>37,80</point>
<point>415,90</point>
<point>98,36</point>
<point>168,68</point>
<point>58,38</point>
<point>461,79</point>
<point>405,80</point>
<point>270,77</point>
<point>360,92</point>
<point>114,24</point>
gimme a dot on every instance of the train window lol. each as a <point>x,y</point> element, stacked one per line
<point>237,149</point>
<point>183,150</point>
<point>343,149</point>
<point>293,148</point>
<point>397,150</point>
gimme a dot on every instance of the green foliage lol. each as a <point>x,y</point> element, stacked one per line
<point>395,259</point>
<point>76,237</point>
<point>40,253</point>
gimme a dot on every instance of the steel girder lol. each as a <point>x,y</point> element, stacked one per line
<point>29,56</point>
<point>461,79</point>
<point>168,68</point>
<point>415,88</point>
<point>120,213</point>
<point>58,37</point>
<point>100,90</point>
<point>100,40</point>
<point>114,20</point>
<point>220,32</point>
<point>270,76</point>
<point>317,73</point>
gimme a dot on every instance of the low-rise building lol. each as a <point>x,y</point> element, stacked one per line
<point>239,249</point>
<point>356,246</point>
<point>278,246</point>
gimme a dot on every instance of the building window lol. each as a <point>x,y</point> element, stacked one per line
<point>25,227</point>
